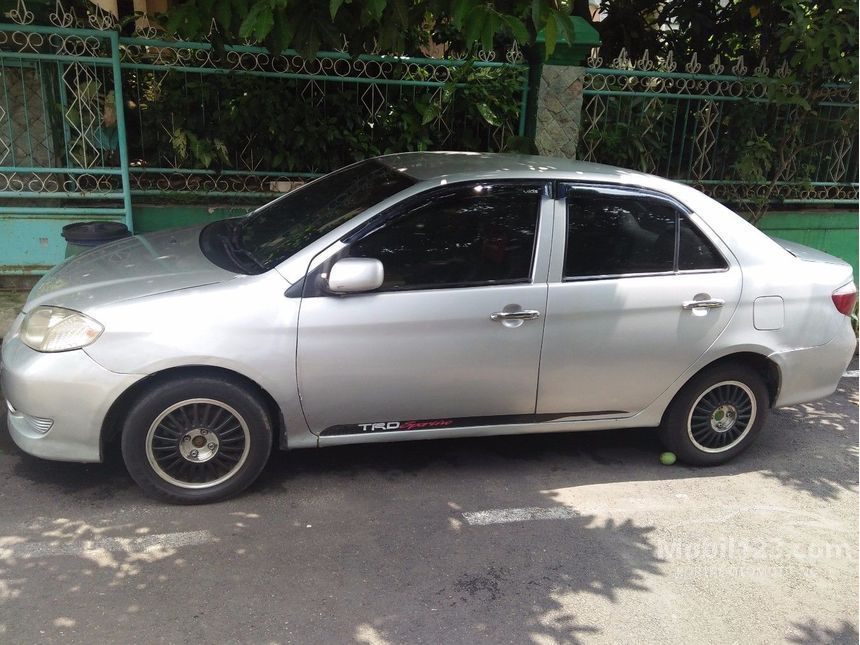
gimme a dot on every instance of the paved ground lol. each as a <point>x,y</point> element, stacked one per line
<point>10,305</point>
<point>391,544</point>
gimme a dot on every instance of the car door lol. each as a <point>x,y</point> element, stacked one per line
<point>637,293</point>
<point>452,337</point>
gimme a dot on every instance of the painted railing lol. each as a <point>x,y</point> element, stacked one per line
<point>244,120</point>
<point>721,131</point>
<point>60,123</point>
<point>92,120</point>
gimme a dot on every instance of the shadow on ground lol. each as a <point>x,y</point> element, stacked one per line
<point>367,543</point>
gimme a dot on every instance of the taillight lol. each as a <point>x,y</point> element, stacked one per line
<point>844,298</point>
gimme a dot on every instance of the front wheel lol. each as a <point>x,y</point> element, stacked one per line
<point>196,440</point>
<point>716,416</point>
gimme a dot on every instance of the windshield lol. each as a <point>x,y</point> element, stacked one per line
<point>274,232</point>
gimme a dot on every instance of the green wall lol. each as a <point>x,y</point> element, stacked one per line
<point>148,218</point>
<point>831,231</point>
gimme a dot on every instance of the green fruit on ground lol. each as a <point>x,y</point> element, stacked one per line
<point>668,458</point>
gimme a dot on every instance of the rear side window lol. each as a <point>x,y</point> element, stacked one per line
<point>480,234</point>
<point>611,233</point>
<point>695,252</point>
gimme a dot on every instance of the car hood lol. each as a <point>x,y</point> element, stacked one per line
<point>133,267</point>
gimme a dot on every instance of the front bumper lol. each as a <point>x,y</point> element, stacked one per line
<point>68,389</point>
<point>813,373</point>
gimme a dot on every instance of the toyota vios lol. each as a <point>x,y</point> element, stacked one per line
<point>425,295</point>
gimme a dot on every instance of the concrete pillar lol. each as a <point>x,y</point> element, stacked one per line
<point>557,114</point>
<point>558,110</point>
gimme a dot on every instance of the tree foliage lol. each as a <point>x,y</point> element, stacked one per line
<point>818,39</point>
<point>397,26</point>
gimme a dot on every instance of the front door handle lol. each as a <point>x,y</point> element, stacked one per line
<point>523,314</point>
<point>713,303</point>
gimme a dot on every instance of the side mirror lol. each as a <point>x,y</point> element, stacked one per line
<point>354,275</point>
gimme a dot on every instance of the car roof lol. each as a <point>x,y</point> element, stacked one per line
<point>430,166</point>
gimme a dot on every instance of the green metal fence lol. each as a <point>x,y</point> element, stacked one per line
<point>90,119</point>
<point>721,131</point>
<point>244,120</point>
<point>61,123</point>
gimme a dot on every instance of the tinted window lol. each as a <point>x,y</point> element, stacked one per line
<point>695,251</point>
<point>283,227</point>
<point>475,235</point>
<point>611,234</point>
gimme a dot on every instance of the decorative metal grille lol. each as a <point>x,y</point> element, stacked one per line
<point>720,130</point>
<point>195,114</point>
<point>183,96</point>
<point>59,134</point>
<point>245,120</point>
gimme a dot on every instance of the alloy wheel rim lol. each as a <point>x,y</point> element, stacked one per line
<point>198,443</point>
<point>722,416</point>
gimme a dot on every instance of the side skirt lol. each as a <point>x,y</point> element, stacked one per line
<point>567,423</point>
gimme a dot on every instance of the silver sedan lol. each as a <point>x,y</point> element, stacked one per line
<point>425,295</point>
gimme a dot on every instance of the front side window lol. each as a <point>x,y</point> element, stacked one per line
<point>274,232</point>
<point>474,235</point>
<point>612,232</point>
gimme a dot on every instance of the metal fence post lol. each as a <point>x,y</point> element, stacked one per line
<point>120,128</point>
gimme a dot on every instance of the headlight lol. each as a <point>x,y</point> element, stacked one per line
<point>54,329</point>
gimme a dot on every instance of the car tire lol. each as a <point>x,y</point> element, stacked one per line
<point>716,416</point>
<point>196,440</point>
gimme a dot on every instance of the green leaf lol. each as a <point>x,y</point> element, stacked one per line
<point>223,15</point>
<point>490,28</point>
<point>179,142</point>
<point>565,26</point>
<point>459,12</point>
<point>429,113</point>
<point>221,149</point>
<point>376,7</point>
<point>537,12</point>
<point>551,37</point>
<point>518,28</point>
<point>488,114</point>
<point>334,6</point>
<point>283,33</point>
<point>474,26</point>
<point>258,23</point>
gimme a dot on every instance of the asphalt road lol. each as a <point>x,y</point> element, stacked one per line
<point>540,539</point>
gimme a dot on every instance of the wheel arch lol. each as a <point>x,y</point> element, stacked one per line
<point>112,424</point>
<point>761,364</point>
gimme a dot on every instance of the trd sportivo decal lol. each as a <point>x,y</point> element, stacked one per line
<point>389,426</point>
<point>377,427</point>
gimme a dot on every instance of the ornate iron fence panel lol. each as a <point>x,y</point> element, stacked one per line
<point>242,120</point>
<point>62,154</point>
<point>721,131</point>
<point>207,121</point>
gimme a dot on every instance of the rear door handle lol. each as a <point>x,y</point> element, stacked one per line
<point>713,303</point>
<point>523,314</point>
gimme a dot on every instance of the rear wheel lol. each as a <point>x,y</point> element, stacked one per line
<point>716,416</point>
<point>196,440</point>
